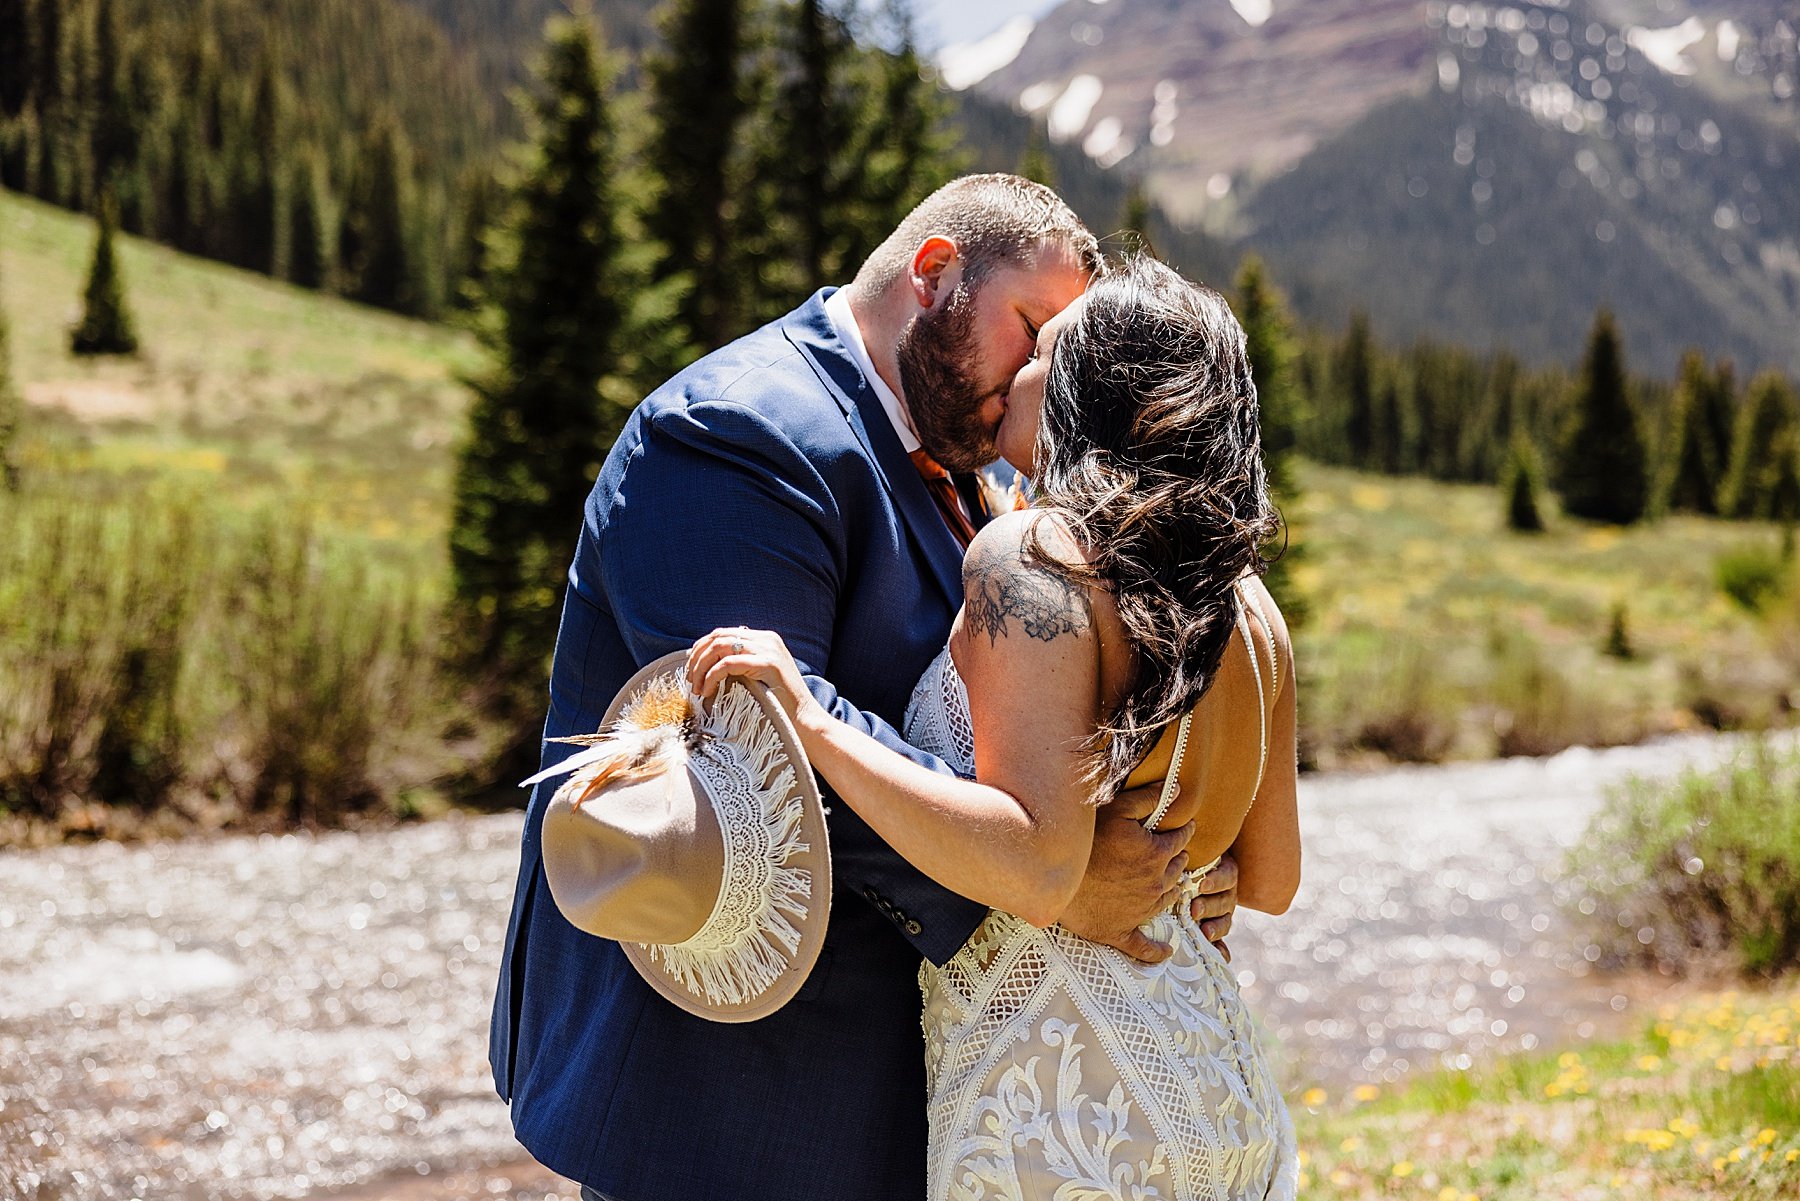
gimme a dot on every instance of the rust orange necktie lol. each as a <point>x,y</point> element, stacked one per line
<point>943,492</point>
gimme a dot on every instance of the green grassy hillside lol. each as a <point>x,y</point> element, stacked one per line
<point>267,386</point>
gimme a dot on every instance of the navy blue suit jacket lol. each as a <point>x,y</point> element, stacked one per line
<point>763,486</point>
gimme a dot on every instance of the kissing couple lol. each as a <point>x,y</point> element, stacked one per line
<point>1055,745</point>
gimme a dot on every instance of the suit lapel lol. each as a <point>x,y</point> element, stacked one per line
<point>809,329</point>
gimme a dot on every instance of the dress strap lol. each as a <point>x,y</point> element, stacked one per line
<point>1172,781</point>
<point>1263,692</point>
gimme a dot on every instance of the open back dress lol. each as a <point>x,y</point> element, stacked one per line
<point>1062,1070</point>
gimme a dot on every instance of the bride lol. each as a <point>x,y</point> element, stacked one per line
<point>1114,635</point>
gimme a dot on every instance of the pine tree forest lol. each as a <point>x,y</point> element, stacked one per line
<point>359,147</point>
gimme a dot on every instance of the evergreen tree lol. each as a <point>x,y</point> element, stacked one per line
<point>113,126</point>
<point>106,326</point>
<point>1484,440</point>
<point>375,238</point>
<point>469,270</point>
<point>309,255</point>
<point>1761,449</point>
<point>1519,485</point>
<point>1353,375</point>
<point>1268,340</point>
<point>12,411</point>
<point>1618,635</point>
<point>15,50</point>
<point>262,207</point>
<point>1603,475</point>
<point>185,193</point>
<point>906,145</point>
<point>690,158</point>
<point>1034,160</point>
<point>1135,223</point>
<point>541,421</point>
<point>814,118</point>
<point>1387,429</point>
<point>1721,415</point>
<point>1691,473</point>
<point>50,90</point>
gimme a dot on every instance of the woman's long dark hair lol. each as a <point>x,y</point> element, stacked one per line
<point>1149,447</point>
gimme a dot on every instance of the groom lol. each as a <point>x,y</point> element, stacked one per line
<point>813,478</point>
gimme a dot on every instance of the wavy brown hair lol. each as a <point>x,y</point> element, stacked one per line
<point>1149,447</point>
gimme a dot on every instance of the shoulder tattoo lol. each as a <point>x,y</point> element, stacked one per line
<point>1001,584</point>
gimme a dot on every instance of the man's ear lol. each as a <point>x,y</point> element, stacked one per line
<point>935,270</point>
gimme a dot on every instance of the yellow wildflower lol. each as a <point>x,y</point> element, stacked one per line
<point>1765,1136</point>
<point>1402,1169</point>
<point>1312,1098</point>
<point>1351,1143</point>
<point>1366,1092</point>
<point>1449,1193</point>
<point>1649,1063</point>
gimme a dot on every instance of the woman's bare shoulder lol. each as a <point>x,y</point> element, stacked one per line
<point>1008,589</point>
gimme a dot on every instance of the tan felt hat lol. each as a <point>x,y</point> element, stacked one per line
<point>694,836</point>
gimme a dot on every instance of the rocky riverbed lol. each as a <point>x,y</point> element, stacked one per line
<point>306,1016</point>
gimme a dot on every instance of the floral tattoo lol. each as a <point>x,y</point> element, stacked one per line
<point>1000,584</point>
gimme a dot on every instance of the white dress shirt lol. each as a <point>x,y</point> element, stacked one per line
<point>843,322</point>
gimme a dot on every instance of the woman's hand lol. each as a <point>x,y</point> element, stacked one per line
<point>758,655</point>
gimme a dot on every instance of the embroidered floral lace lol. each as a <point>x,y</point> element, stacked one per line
<point>1060,1070</point>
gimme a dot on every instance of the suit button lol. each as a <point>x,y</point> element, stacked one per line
<point>874,898</point>
<point>913,927</point>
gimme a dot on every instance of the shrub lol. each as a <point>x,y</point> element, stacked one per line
<point>159,652</point>
<point>1618,643</point>
<point>1519,485</point>
<point>1707,863</point>
<point>1751,575</point>
<point>1538,708</point>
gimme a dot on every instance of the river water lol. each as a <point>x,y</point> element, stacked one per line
<point>306,1016</point>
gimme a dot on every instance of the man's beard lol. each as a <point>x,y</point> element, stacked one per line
<point>936,353</point>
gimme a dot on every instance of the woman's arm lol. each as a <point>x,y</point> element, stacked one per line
<point>1018,838</point>
<point>1267,848</point>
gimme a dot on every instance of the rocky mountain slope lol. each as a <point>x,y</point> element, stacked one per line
<point>1485,173</point>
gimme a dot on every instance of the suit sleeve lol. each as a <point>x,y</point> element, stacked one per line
<point>717,520</point>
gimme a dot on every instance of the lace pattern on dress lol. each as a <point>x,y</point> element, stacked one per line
<point>1059,1068</point>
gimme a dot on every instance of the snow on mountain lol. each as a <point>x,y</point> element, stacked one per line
<point>968,63</point>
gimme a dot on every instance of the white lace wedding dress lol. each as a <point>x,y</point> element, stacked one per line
<point>1060,1070</point>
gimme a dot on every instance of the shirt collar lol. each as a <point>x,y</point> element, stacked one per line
<point>843,323</point>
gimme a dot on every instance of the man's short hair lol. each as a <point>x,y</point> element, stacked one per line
<point>994,220</point>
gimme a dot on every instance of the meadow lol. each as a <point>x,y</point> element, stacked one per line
<point>1433,632</point>
<point>1703,1102</point>
<point>272,442</point>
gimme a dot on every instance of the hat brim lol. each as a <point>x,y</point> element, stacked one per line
<point>815,860</point>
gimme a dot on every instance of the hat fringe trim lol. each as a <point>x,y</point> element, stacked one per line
<point>749,940</point>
